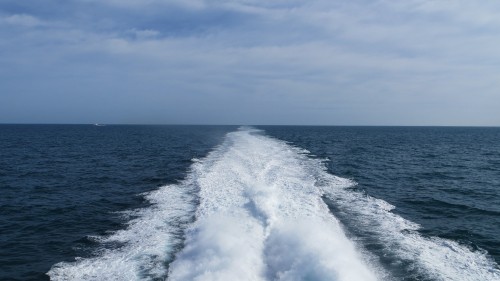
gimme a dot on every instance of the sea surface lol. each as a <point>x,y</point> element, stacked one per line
<point>116,202</point>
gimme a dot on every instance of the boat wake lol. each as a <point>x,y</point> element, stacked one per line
<point>254,209</point>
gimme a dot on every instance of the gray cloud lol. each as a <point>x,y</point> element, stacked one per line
<point>252,62</point>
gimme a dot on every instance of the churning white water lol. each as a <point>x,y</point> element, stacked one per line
<point>253,210</point>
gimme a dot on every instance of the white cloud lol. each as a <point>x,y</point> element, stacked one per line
<point>21,20</point>
<point>193,4</point>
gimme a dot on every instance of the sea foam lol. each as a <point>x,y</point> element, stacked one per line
<point>423,257</point>
<point>141,251</point>
<point>254,209</point>
<point>261,217</point>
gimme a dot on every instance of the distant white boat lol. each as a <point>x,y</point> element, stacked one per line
<point>100,125</point>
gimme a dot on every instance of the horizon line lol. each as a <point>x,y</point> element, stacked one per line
<point>289,125</point>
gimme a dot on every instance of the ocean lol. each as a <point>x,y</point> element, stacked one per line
<point>120,202</point>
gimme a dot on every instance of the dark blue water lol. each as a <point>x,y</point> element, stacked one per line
<point>61,184</point>
<point>447,179</point>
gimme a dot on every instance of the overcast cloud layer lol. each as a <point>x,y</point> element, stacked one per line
<point>360,62</point>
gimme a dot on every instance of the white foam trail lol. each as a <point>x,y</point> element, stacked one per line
<point>149,240</point>
<point>432,257</point>
<point>261,217</point>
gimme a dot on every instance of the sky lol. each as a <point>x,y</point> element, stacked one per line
<point>295,62</point>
